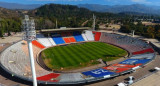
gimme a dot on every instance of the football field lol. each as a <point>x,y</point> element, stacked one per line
<point>80,55</point>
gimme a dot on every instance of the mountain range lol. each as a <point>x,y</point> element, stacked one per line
<point>134,8</point>
<point>18,6</point>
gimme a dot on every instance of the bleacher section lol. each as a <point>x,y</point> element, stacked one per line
<point>36,43</point>
<point>89,35</point>
<point>71,77</point>
<point>51,40</point>
<point>97,73</point>
<point>97,35</point>
<point>84,36</point>
<point>77,35</point>
<point>43,40</point>
<point>126,42</point>
<point>143,56</point>
<point>150,50</point>
<point>57,38</point>
<point>52,77</point>
<point>135,61</point>
<point>69,40</point>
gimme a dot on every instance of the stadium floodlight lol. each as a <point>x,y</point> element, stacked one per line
<point>94,22</point>
<point>133,31</point>
<point>29,36</point>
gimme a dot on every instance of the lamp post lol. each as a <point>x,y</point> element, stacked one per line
<point>29,36</point>
<point>133,31</point>
<point>94,21</point>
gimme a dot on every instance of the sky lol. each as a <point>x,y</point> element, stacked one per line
<point>74,2</point>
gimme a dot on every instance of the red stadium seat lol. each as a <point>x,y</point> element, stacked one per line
<point>50,77</point>
<point>66,40</point>
<point>118,68</point>
<point>126,65</point>
<point>97,36</point>
<point>150,50</point>
<point>36,43</point>
<point>72,39</point>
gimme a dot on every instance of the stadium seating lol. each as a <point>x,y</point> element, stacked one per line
<point>57,38</point>
<point>97,73</point>
<point>71,77</point>
<point>150,50</point>
<point>135,61</point>
<point>77,35</point>
<point>51,40</point>
<point>66,40</point>
<point>143,56</point>
<point>119,68</point>
<point>126,65</point>
<point>84,36</point>
<point>43,40</point>
<point>89,35</point>
<point>16,60</point>
<point>72,39</point>
<point>69,40</point>
<point>97,35</point>
<point>38,44</point>
<point>52,77</point>
<point>128,43</point>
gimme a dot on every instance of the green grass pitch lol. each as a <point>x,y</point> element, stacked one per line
<point>80,55</point>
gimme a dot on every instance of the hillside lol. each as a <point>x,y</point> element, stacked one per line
<point>6,13</point>
<point>66,15</point>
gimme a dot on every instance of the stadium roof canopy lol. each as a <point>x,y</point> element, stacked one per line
<point>63,29</point>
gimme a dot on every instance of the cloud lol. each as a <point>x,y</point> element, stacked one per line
<point>141,1</point>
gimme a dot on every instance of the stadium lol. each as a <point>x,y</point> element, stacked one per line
<point>77,56</point>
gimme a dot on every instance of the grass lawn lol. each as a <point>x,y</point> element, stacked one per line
<point>80,55</point>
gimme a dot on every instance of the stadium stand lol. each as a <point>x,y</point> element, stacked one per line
<point>119,68</point>
<point>52,77</point>
<point>72,39</point>
<point>89,35</point>
<point>43,40</point>
<point>66,40</point>
<point>128,43</point>
<point>84,36</point>
<point>71,77</point>
<point>143,56</point>
<point>36,43</point>
<point>57,38</point>
<point>69,40</point>
<point>97,35</point>
<point>16,60</point>
<point>77,35</point>
<point>51,40</point>
<point>97,73</point>
<point>150,50</point>
<point>135,61</point>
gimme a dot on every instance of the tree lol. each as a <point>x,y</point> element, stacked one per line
<point>1,33</point>
<point>96,26</point>
<point>151,32</point>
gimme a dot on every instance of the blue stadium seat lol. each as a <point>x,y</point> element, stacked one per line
<point>98,73</point>
<point>57,38</point>
<point>135,61</point>
<point>77,35</point>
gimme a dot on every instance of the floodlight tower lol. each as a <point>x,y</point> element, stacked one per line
<point>133,31</point>
<point>29,36</point>
<point>94,22</point>
<point>56,24</point>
